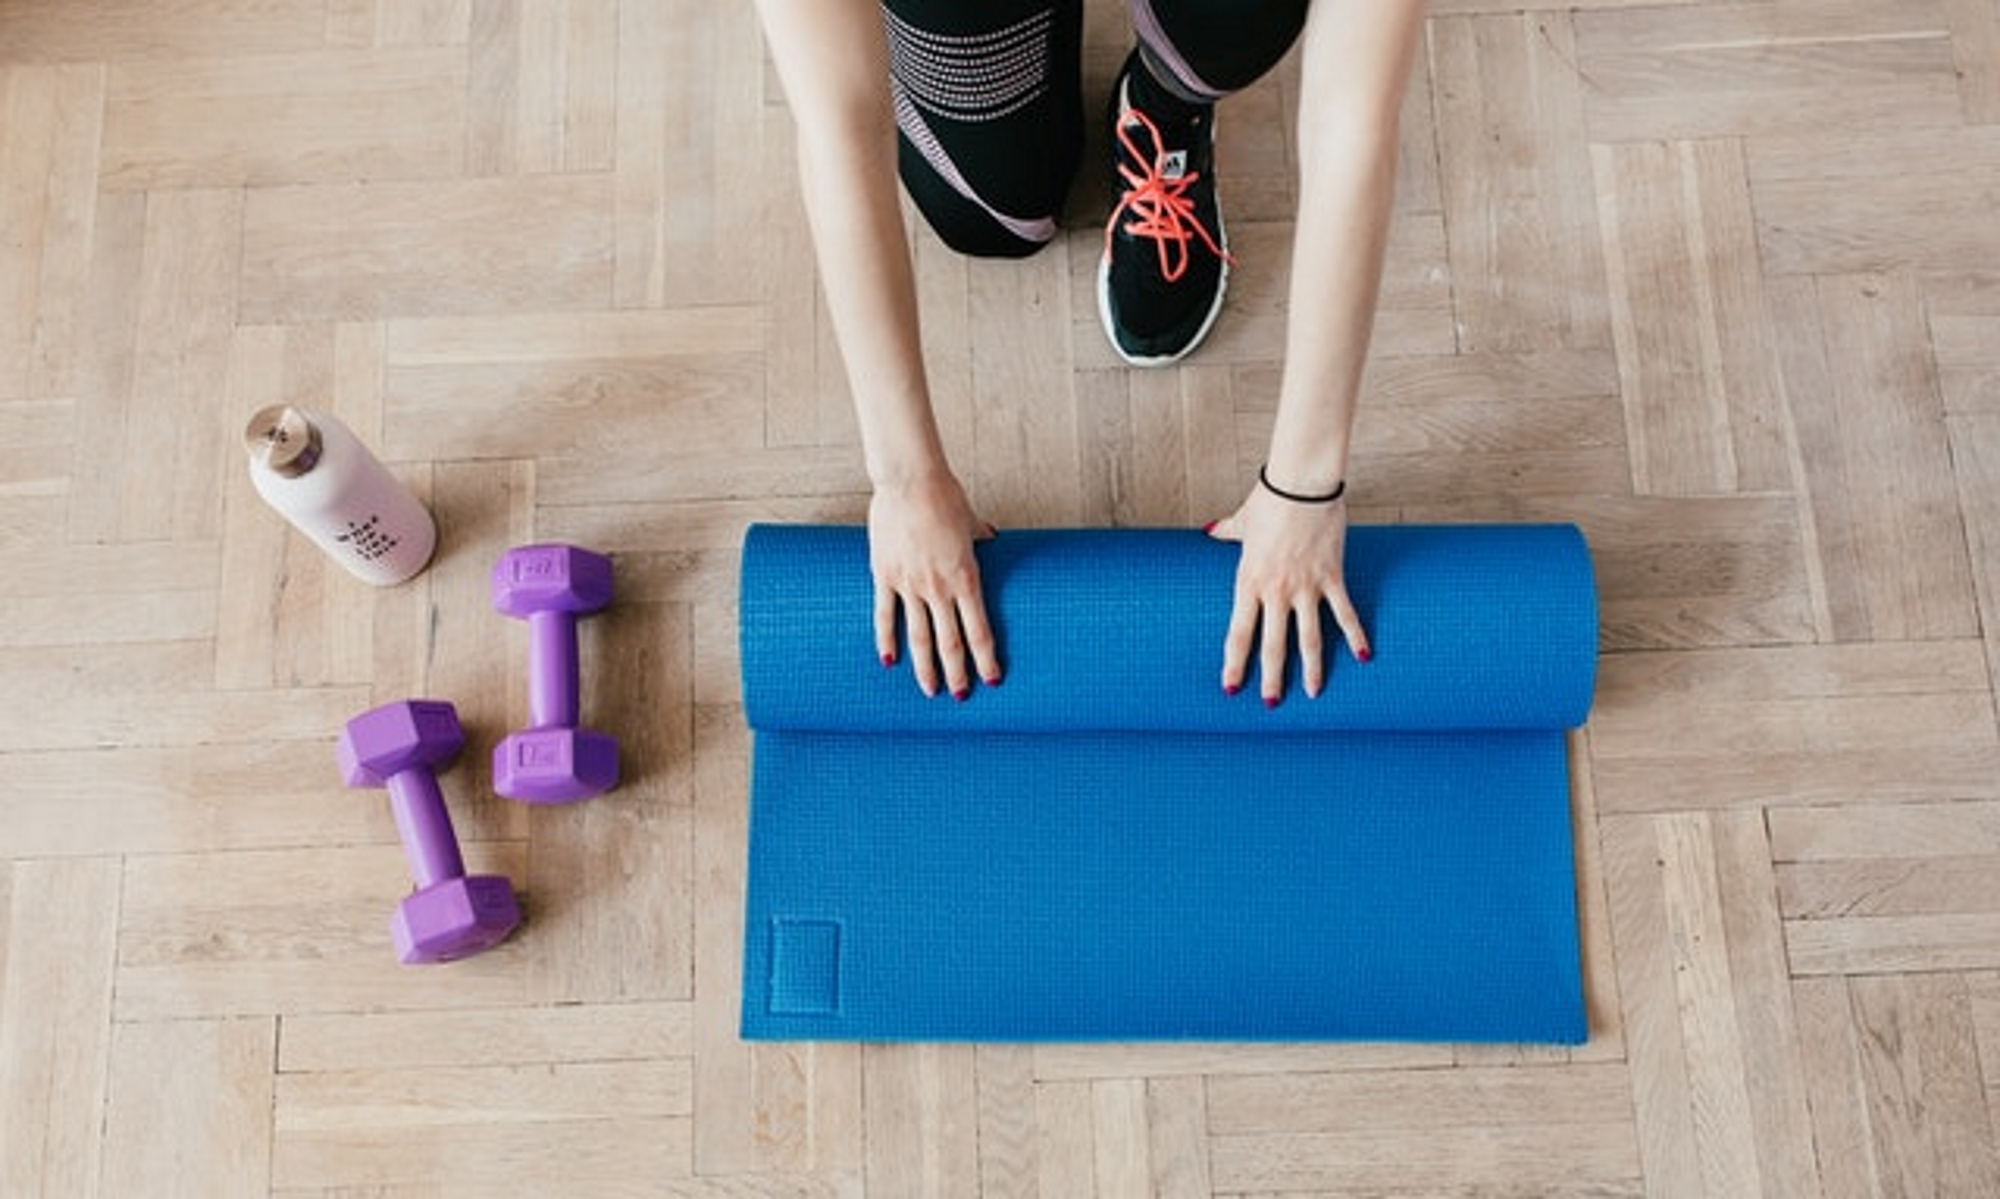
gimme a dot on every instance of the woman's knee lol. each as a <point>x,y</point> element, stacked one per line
<point>989,108</point>
<point>1206,49</point>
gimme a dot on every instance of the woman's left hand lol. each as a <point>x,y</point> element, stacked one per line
<point>1290,570</point>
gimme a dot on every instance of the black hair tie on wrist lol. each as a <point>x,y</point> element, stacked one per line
<point>1263,478</point>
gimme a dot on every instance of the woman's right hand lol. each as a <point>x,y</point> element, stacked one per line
<point>920,536</point>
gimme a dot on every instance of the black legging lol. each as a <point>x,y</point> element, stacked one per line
<point>989,98</point>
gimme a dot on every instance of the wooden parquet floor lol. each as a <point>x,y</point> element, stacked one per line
<point>1719,281</point>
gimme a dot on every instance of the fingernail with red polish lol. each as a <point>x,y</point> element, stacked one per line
<point>1210,526</point>
<point>1231,688</point>
<point>888,659</point>
<point>1270,701</point>
<point>1365,655</point>
<point>962,694</point>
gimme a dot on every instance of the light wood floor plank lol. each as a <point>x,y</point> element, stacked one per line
<point>1066,1143</point>
<point>1257,156</point>
<point>303,931</point>
<point>1056,1064</point>
<point>1873,442</point>
<point>104,384</point>
<point>1975,30</point>
<point>350,251</point>
<point>1702,70</point>
<point>1984,991</point>
<point>1975,452</point>
<point>152,694</point>
<point>48,190</point>
<point>1414,314</point>
<point>1813,220</point>
<point>172,799</point>
<point>801,364</point>
<point>1895,945</point>
<point>1801,724</point>
<point>307,117</point>
<point>324,1144</point>
<point>1707,278</point>
<point>333,1042</point>
<point>1008,1134</point>
<point>1848,1167</point>
<point>682,228</point>
<point>536,105</point>
<point>1696,347</point>
<point>1720,1096</point>
<point>495,389</point>
<point>35,466</point>
<point>412,23</point>
<point>1485,1160</point>
<point>218,1144</point>
<point>1968,389</point>
<point>1217,482</point>
<point>1686,574</point>
<point>1024,422</point>
<point>169,287</point>
<point>126,29</point>
<point>1874,889</point>
<point>1119,1138</point>
<point>1926,1127</point>
<point>55,1023</point>
<point>921,1136</point>
<point>1526,268</point>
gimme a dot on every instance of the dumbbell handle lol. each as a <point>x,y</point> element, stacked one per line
<point>552,675</point>
<point>429,844</point>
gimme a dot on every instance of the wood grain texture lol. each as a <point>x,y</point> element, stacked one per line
<point>1715,280</point>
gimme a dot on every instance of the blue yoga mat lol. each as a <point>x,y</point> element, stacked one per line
<point>1106,847</point>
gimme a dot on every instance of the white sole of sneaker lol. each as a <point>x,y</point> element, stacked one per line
<point>1201,334</point>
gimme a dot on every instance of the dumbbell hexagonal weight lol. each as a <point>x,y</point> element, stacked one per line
<point>402,746</point>
<point>553,760</point>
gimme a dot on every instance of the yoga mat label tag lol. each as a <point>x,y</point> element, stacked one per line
<point>805,967</point>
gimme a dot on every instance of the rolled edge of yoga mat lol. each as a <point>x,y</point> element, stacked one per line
<point>1472,627</point>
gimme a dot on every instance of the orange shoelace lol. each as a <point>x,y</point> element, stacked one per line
<point>1158,203</point>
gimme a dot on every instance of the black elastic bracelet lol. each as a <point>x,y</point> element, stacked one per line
<point>1339,489</point>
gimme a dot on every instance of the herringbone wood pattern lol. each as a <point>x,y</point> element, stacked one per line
<point>1718,280</point>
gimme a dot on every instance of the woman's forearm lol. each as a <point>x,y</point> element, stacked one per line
<point>1355,67</point>
<point>833,58</point>
<point>871,293</point>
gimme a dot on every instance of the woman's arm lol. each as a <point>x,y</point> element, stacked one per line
<point>1355,66</point>
<point>833,58</point>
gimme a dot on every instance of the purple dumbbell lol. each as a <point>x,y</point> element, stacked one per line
<point>402,746</point>
<point>553,760</point>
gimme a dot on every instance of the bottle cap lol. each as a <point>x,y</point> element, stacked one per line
<point>283,441</point>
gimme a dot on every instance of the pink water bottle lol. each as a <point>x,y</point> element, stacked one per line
<point>321,478</point>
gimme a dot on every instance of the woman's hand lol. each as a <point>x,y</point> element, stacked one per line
<point>920,539</point>
<point>1355,62</point>
<point>1291,566</point>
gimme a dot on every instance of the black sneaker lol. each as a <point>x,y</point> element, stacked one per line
<point>1166,258</point>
